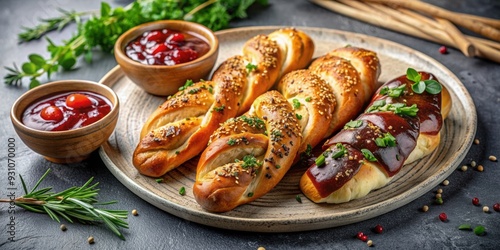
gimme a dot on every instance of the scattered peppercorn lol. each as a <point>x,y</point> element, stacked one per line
<point>496,207</point>
<point>134,212</point>
<point>438,195</point>
<point>425,208</point>
<point>439,191</point>
<point>261,248</point>
<point>492,158</point>
<point>369,243</point>
<point>364,237</point>
<point>480,168</point>
<point>443,50</point>
<point>476,141</point>
<point>359,235</point>
<point>443,217</point>
<point>486,209</point>
<point>90,240</point>
<point>473,164</point>
<point>446,182</point>
<point>464,168</point>
<point>378,229</point>
<point>63,227</point>
<point>475,201</point>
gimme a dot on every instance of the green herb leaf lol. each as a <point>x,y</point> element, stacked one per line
<point>413,75</point>
<point>298,198</point>
<point>388,140</point>
<point>368,154</point>
<point>418,87</point>
<point>465,227</point>
<point>182,191</point>
<point>353,124</point>
<point>250,67</point>
<point>36,59</point>
<point>29,68</point>
<point>295,103</point>
<point>393,92</point>
<point>231,142</point>
<point>433,87</point>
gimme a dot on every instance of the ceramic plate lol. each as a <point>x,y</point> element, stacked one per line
<point>279,211</point>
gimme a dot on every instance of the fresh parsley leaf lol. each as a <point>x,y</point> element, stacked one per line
<point>250,67</point>
<point>353,124</point>
<point>433,87</point>
<point>413,75</point>
<point>368,154</point>
<point>387,140</point>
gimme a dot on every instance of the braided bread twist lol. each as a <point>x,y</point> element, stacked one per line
<point>181,127</point>
<point>248,155</point>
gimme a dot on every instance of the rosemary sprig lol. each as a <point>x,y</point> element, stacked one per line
<point>50,24</point>
<point>72,204</point>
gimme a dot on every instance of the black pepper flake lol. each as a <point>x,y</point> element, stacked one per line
<point>268,176</point>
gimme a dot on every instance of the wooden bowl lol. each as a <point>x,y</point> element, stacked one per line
<point>165,80</point>
<point>68,146</point>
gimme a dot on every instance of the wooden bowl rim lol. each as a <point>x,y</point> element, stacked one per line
<point>70,85</point>
<point>133,32</point>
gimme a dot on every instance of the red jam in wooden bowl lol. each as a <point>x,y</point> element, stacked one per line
<point>66,111</point>
<point>166,47</point>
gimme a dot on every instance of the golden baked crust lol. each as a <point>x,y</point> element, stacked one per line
<point>248,155</point>
<point>181,127</point>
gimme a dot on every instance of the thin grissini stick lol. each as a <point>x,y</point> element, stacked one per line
<point>485,48</point>
<point>181,127</point>
<point>399,126</point>
<point>474,25</point>
<point>248,155</point>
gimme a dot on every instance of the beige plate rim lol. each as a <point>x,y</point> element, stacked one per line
<point>466,126</point>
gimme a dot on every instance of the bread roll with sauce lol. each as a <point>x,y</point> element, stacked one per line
<point>181,127</point>
<point>369,151</point>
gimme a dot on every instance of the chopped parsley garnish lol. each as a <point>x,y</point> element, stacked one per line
<point>299,117</point>
<point>368,155</point>
<point>397,108</point>
<point>308,99</point>
<point>393,92</point>
<point>339,152</point>
<point>249,161</point>
<point>182,191</point>
<point>231,142</point>
<point>419,86</point>
<point>298,199</point>
<point>250,194</point>
<point>251,67</point>
<point>296,104</point>
<point>219,109</point>
<point>386,141</point>
<point>253,121</point>
<point>188,83</point>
